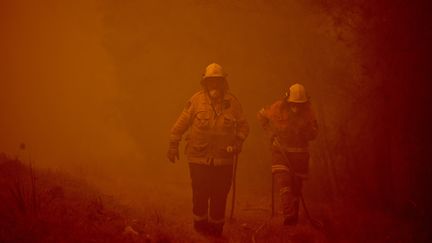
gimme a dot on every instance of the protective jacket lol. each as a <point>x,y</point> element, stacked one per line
<point>293,132</point>
<point>214,130</point>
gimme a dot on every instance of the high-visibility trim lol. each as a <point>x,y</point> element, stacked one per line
<point>200,217</point>
<point>284,190</point>
<point>279,168</point>
<point>216,221</point>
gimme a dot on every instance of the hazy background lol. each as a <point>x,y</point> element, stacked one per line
<point>93,88</point>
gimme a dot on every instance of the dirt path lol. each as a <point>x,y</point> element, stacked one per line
<point>165,200</point>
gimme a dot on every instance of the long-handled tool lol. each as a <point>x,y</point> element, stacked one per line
<point>314,222</point>
<point>234,185</point>
<point>236,151</point>
<point>272,196</point>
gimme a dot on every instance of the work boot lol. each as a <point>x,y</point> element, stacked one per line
<point>202,226</point>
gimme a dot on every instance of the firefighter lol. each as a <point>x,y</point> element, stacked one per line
<point>216,129</point>
<point>291,124</point>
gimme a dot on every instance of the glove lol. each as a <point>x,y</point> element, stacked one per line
<point>173,152</point>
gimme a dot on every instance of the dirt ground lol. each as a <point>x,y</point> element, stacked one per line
<point>167,201</point>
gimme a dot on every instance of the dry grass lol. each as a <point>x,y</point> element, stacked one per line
<point>44,206</point>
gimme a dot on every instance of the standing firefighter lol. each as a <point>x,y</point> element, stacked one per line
<point>291,124</point>
<point>217,129</point>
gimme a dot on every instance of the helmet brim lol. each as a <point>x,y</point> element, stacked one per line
<point>297,101</point>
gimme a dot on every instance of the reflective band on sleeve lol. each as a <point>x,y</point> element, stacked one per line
<point>279,168</point>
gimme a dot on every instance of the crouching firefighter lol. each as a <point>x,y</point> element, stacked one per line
<point>291,124</point>
<point>216,129</point>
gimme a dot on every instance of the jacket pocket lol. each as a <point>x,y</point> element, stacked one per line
<point>202,120</point>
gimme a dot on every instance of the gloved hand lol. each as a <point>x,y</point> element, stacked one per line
<point>173,152</point>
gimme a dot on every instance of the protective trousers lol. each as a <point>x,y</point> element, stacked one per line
<point>210,187</point>
<point>290,191</point>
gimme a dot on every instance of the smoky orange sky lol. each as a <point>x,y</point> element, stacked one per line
<point>93,87</point>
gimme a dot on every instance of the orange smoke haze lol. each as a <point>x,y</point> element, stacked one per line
<point>93,87</point>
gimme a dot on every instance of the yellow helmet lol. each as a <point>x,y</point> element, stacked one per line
<point>214,70</point>
<point>297,94</point>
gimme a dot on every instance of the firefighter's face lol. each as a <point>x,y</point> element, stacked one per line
<point>215,86</point>
<point>295,107</point>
